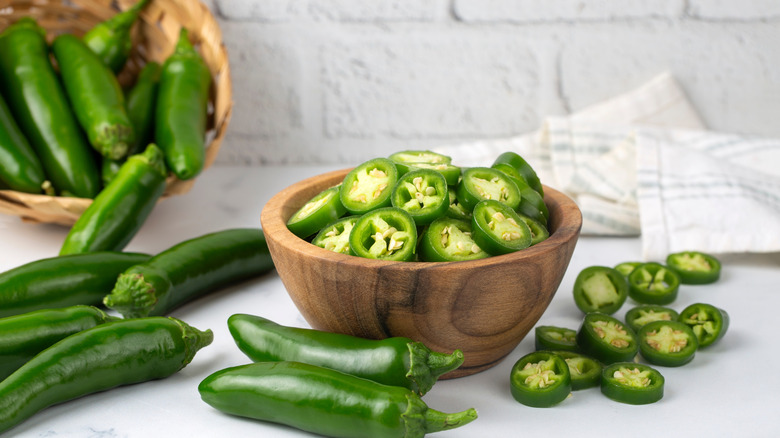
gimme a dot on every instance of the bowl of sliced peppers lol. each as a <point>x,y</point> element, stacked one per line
<point>379,272</point>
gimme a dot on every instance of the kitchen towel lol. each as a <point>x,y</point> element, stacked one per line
<point>643,163</point>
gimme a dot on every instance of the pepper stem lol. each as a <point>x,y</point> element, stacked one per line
<point>425,366</point>
<point>194,339</point>
<point>122,21</point>
<point>436,421</point>
<point>132,296</point>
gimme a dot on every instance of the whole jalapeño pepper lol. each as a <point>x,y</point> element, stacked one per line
<point>325,401</point>
<point>95,96</point>
<point>393,361</point>
<point>110,39</point>
<point>140,103</point>
<point>121,208</point>
<point>23,336</point>
<point>103,357</point>
<point>20,168</point>
<point>40,106</point>
<point>188,270</point>
<point>180,117</point>
<point>62,281</point>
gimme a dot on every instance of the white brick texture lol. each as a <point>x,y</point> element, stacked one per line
<point>342,81</point>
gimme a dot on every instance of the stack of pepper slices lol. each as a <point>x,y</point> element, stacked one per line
<point>603,350</point>
<point>461,214</point>
<point>73,131</point>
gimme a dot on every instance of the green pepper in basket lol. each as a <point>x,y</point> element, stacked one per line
<point>95,96</point>
<point>396,361</point>
<point>121,208</point>
<point>20,168</point>
<point>40,106</point>
<point>324,401</point>
<point>180,117</point>
<point>110,39</point>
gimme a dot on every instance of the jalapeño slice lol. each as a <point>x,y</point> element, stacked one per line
<point>539,232</point>
<point>423,194</point>
<point>335,237</point>
<point>600,289</point>
<point>626,268</point>
<point>708,322</point>
<point>522,169</point>
<point>420,156</point>
<point>632,383</point>
<point>585,371</point>
<point>548,337</point>
<point>480,183</point>
<point>498,229</point>
<point>540,379</point>
<point>449,240</point>
<point>653,283</point>
<point>694,267</point>
<point>531,202</point>
<point>667,343</point>
<point>318,212</point>
<point>450,172</point>
<point>386,234</point>
<point>456,210</point>
<point>368,186</point>
<point>606,339</point>
<point>638,316</point>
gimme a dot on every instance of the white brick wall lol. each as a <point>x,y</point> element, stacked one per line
<point>341,81</point>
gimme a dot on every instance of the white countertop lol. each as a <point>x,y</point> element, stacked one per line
<point>730,389</point>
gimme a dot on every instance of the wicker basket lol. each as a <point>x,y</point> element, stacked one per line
<point>154,37</point>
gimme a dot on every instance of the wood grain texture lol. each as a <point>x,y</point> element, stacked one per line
<point>483,307</point>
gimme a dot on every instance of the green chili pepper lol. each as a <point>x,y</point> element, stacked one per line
<point>182,103</point>
<point>95,96</point>
<point>694,267</point>
<point>335,237</point>
<point>481,183</point>
<point>585,371</point>
<point>324,401</point>
<point>188,270</point>
<point>369,186</point>
<point>141,101</point>
<point>653,283</point>
<point>606,339</point>
<point>24,336</point>
<point>20,168</point>
<point>121,208</point>
<point>708,322</point>
<point>449,240</point>
<point>456,210</point>
<point>316,213</point>
<point>667,343</point>
<point>626,268</point>
<point>497,229</point>
<point>547,337</point>
<point>521,169</point>
<point>97,359</point>
<point>62,281</point>
<point>395,361</point>
<point>638,316</point>
<point>419,156</point>
<point>600,289</point>
<point>632,383</point>
<point>423,194</point>
<point>386,234</point>
<point>109,169</point>
<point>40,106</point>
<point>540,379</point>
<point>110,39</point>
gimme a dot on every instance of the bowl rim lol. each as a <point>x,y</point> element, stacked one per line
<point>274,224</point>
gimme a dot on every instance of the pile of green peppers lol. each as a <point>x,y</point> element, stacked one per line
<point>73,131</point>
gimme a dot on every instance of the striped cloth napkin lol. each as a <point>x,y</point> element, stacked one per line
<point>643,164</point>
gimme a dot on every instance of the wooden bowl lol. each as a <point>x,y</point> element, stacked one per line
<point>483,307</point>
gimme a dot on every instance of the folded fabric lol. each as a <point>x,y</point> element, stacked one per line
<point>642,163</point>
